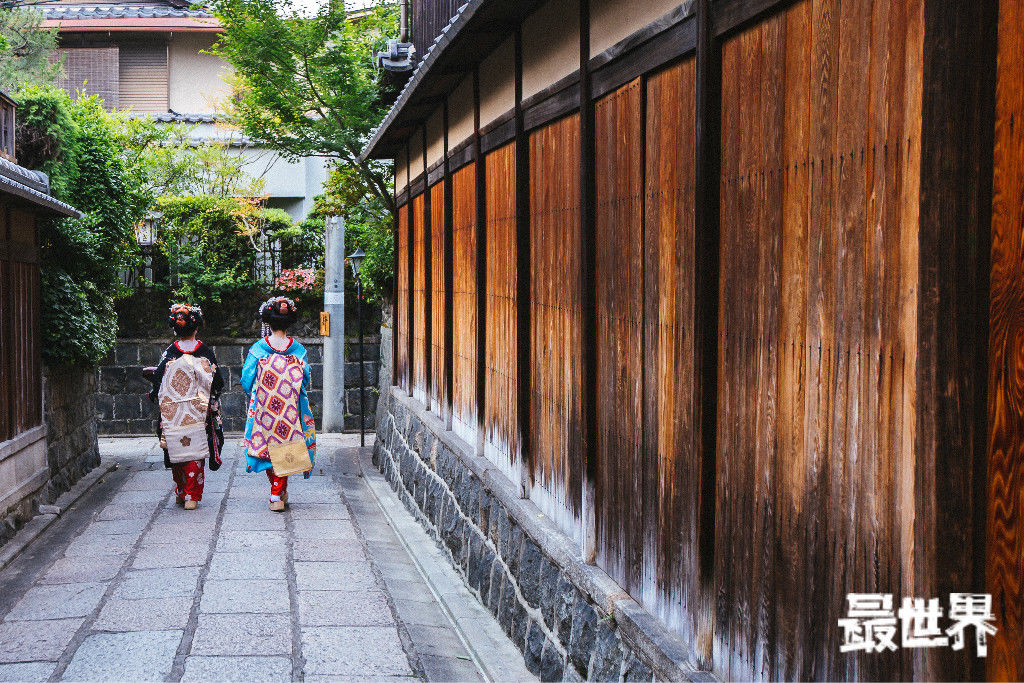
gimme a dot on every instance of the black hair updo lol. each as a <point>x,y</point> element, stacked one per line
<point>278,313</point>
<point>185,319</point>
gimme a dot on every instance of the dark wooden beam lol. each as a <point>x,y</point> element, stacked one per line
<point>427,282</point>
<point>588,259</point>
<point>449,279</point>
<point>733,15</point>
<point>410,264</point>
<point>522,270</point>
<point>669,41</point>
<point>481,262</point>
<point>955,242</point>
<point>705,287</point>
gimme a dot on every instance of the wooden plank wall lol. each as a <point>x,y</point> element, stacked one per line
<point>401,370</point>
<point>501,386</point>
<point>670,453</point>
<point>21,387</point>
<point>419,299</point>
<point>555,309</point>
<point>817,329</point>
<point>1005,545</point>
<point>439,399</point>
<point>621,477</point>
<point>464,304</point>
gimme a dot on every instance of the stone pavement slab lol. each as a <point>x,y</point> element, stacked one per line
<point>227,566</point>
<point>60,601</point>
<point>250,596</point>
<point>334,576</point>
<point>312,550</point>
<point>355,652</point>
<point>158,583</point>
<point>83,569</point>
<point>147,613</point>
<point>35,641</point>
<point>238,669</point>
<point>243,634</point>
<point>138,656</point>
<point>28,672</point>
<point>337,608</point>
<point>170,555</point>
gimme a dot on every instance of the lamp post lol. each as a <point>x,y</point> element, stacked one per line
<point>356,259</point>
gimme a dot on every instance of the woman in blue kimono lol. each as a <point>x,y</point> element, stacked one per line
<point>276,378</point>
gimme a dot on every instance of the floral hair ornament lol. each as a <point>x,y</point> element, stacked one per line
<point>185,316</point>
<point>275,305</point>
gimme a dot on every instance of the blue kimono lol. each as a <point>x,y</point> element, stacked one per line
<point>258,351</point>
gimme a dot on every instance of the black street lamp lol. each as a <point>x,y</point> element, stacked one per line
<point>356,260</point>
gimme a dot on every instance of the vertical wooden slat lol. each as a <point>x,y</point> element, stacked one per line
<point>464,304</point>
<point>620,502</point>
<point>1005,546</point>
<point>556,420</point>
<point>501,443</point>
<point>480,187</point>
<point>402,292</point>
<point>438,298</point>
<point>523,265</point>
<point>420,245</point>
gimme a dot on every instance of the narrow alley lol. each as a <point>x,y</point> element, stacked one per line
<point>127,585</point>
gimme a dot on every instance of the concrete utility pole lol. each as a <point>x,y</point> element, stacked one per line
<point>334,343</point>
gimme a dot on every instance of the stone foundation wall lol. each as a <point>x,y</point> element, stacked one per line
<point>71,430</point>
<point>571,621</point>
<point>124,407</point>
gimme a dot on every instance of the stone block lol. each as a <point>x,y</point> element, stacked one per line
<point>137,656</point>
<point>314,353</point>
<point>242,634</point>
<point>261,596</point>
<point>140,615</point>
<point>188,552</point>
<point>607,656</point>
<point>563,600</point>
<point>337,576</point>
<point>232,404</point>
<point>534,650</point>
<point>127,407</point>
<point>112,380</point>
<point>354,652</point>
<point>61,601</point>
<point>316,375</point>
<point>83,569</point>
<point>126,354</point>
<point>149,354</point>
<point>582,634</point>
<point>636,669</point>
<point>142,426</point>
<point>337,608</point>
<point>158,583</point>
<point>551,663</point>
<point>135,382</point>
<point>238,669</point>
<point>529,573</point>
<point>36,641</point>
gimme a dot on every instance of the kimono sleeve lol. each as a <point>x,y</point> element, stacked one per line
<point>249,371</point>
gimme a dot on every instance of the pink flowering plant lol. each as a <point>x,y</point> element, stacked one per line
<point>296,280</point>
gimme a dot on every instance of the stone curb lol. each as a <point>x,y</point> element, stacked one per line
<point>372,482</point>
<point>51,513</point>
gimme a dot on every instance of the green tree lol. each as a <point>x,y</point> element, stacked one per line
<point>306,86</point>
<point>80,146</point>
<point>26,50</point>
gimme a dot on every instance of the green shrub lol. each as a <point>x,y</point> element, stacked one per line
<point>79,145</point>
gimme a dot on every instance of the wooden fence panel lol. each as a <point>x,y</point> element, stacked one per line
<point>501,441</point>
<point>1005,542</point>
<point>464,304</point>
<point>6,431</point>
<point>816,378</point>
<point>438,397</point>
<point>621,476</point>
<point>419,300</point>
<point>401,315</point>
<point>670,452</point>
<point>557,457</point>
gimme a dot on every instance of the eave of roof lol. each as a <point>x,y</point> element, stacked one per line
<point>32,187</point>
<point>476,30</point>
<point>163,24</point>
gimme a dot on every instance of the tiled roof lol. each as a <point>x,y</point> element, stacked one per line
<point>118,11</point>
<point>33,186</point>
<point>175,117</point>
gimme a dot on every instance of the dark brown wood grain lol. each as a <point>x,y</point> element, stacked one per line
<point>402,290</point>
<point>555,312</point>
<point>438,297</point>
<point>501,442</point>
<point>420,245</point>
<point>1005,528</point>
<point>464,404</point>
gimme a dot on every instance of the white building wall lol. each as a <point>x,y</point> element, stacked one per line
<point>197,81</point>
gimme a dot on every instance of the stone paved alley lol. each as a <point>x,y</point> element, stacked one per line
<point>345,585</point>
